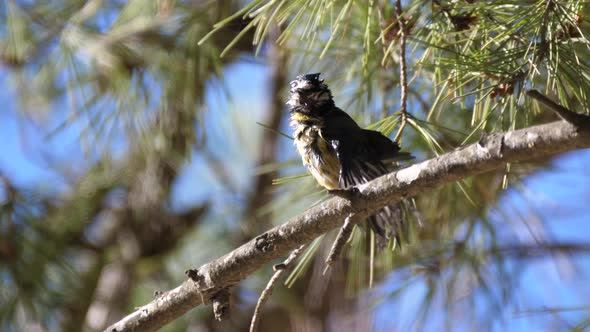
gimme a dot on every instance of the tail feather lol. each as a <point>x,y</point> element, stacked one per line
<point>388,223</point>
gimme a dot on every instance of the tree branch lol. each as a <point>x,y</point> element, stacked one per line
<point>578,119</point>
<point>490,153</point>
<point>341,239</point>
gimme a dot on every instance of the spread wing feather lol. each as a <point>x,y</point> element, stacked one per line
<point>363,155</point>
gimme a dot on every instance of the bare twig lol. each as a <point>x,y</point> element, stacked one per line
<point>549,310</point>
<point>352,194</point>
<point>487,155</point>
<point>266,293</point>
<point>341,238</point>
<point>403,76</point>
<point>577,119</point>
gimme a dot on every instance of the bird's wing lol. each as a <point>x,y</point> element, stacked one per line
<point>363,156</point>
<point>384,148</point>
<point>362,153</point>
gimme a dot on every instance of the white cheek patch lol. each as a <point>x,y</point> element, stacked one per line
<point>303,85</point>
<point>295,97</point>
<point>294,100</point>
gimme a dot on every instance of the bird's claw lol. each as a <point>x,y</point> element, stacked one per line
<point>349,193</point>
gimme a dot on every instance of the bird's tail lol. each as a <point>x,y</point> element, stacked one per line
<point>388,223</point>
<point>391,222</point>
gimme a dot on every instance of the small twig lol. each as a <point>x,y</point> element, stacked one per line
<point>265,295</point>
<point>577,119</point>
<point>402,125</point>
<point>403,76</point>
<point>341,238</point>
<point>352,194</point>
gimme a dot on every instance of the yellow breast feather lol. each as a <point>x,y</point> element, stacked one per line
<point>318,156</point>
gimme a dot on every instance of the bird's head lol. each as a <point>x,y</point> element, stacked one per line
<point>309,93</point>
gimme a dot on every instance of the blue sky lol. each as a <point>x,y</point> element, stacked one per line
<point>559,198</point>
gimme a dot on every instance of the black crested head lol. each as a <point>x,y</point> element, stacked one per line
<point>309,93</point>
<point>315,78</point>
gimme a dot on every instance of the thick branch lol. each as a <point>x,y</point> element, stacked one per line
<point>490,153</point>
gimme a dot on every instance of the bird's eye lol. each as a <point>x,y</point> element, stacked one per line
<point>294,84</point>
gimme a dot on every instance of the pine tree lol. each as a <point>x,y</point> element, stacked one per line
<point>127,107</point>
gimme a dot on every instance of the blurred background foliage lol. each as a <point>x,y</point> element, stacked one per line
<point>142,138</point>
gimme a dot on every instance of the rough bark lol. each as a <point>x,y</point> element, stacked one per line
<point>490,153</point>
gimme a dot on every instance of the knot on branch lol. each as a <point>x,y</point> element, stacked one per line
<point>221,304</point>
<point>194,275</point>
<point>199,279</point>
<point>264,243</point>
<point>492,145</point>
<point>279,267</point>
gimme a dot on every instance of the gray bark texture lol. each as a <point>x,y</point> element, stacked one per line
<point>490,153</point>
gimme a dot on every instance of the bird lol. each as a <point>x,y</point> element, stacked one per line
<point>338,153</point>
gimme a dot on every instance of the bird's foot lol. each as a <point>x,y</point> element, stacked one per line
<point>350,193</point>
